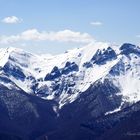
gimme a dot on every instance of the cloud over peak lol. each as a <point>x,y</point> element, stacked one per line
<point>60,36</point>
<point>12,20</point>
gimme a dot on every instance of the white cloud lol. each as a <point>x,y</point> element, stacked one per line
<point>11,20</point>
<point>35,35</point>
<point>96,23</point>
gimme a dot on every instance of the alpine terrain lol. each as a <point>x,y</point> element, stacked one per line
<point>89,93</point>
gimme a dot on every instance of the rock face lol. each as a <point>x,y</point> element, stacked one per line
<point>83,94</point>
<point>101,58</point>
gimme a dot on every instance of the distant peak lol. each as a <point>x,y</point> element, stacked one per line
<point>127,45</point>
<point>128,48</point>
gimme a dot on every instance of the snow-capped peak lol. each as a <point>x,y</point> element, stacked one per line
<point>64,77</point>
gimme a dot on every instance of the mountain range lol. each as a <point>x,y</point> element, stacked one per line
<point>89,93</point>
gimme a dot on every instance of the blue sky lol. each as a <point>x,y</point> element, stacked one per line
<point>53,26</point>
